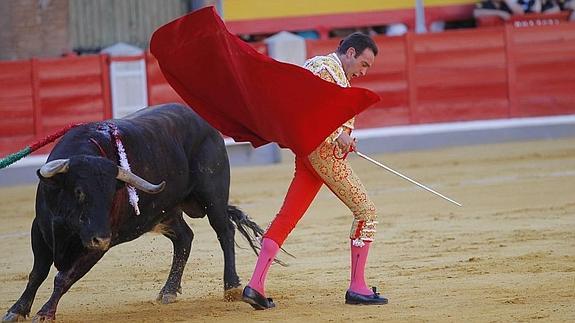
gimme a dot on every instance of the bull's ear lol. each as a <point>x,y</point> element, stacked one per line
<point>50,181</point>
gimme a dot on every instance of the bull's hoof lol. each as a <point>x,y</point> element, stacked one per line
<point>43,318</point>
<point>166,298</point>
<point>233,294</point>
<point>13,317</point>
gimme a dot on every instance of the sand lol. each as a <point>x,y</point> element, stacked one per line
<point>508,255</point>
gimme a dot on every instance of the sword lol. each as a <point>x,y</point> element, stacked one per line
<point>405,177</point>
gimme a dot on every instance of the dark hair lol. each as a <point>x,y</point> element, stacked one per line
<point>359,41</point>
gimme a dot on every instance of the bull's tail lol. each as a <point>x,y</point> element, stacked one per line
<point>251,231</point>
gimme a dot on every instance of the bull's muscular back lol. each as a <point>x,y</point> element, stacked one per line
<point>171,142</point>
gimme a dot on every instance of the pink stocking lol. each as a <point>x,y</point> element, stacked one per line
<point>267,254</point>
<point>358,260</point>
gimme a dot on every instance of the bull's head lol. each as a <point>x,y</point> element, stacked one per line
<point>81,191</point>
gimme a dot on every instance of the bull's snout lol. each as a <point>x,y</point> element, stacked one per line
<point>99,243</point>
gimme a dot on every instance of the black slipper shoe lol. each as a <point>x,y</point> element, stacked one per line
<point>257,300</point>
<point>359,299</point>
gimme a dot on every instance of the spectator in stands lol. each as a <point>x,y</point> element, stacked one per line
<point>504,9</point>
<point>568,5</point>
<point>550,6</point>
<point>495,8</point>
<point>308,34</point>
<point>396,29</point>
<point>520,7</point>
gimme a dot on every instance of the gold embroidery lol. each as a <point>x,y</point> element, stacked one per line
<point>329,64</point>
<point>328,68</point>
<point>346,185</point>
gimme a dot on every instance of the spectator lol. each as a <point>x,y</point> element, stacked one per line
<point>520,7</point>
<point>568,5</point>
<point>396,29</point>
<point>493,8</point>
<point>550,6</point>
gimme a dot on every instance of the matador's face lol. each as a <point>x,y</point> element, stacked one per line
<point>357,66</point>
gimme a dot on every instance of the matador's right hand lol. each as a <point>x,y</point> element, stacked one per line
<point>345,142</point>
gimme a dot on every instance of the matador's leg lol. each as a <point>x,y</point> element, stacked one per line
<point>340,178</point>
<point>338,175</point>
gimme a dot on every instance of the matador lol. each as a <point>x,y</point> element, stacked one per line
<point>354,56</point>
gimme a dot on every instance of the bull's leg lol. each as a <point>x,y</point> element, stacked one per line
<point>181,235</point>
<point>64,280</point>
<point>224,228</point>
<point>210,171</point>
<point>42,264</point>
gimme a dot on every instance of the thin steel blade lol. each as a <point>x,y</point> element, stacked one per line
<point>406,178</point>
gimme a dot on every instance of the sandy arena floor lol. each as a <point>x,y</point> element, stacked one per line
<point>507,256</point>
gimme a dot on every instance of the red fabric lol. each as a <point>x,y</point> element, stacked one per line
<point>246,95</point>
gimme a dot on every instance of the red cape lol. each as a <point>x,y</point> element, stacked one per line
<point>246,95</point>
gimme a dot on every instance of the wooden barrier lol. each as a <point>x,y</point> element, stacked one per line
<point>159,91</point>
<point>41,96</point>
<point>542,64</point>
<point>474,74</point>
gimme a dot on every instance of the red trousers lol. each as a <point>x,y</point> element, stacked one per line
<point>311,172</point>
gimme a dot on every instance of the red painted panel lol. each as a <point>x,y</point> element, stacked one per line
<point>70,91</point>
<point>544,64</point>
<point>159,91</point>
<point>16,108</point>
<point>458,40</point>
<point>378,117</point>
<point>460,75</point>
<point>73,67</point>
<point>56,92</point>
<point>321,47</point>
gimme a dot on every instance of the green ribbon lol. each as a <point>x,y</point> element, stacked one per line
<point>12,158</point>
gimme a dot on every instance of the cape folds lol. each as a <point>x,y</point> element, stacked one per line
<point>246,95</point>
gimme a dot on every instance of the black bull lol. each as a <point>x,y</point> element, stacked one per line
<point>82,206</point>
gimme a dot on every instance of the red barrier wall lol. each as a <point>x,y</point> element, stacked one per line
<point>486,73</point>
<point>542,69</point>
<point>41,96</point>
<point>159,91</point>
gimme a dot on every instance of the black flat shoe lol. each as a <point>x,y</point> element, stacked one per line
<point>257,300</point>
<point>358,299</point>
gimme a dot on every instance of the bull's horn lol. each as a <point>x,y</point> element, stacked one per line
<point>138,182</point>
<point>55,167</point>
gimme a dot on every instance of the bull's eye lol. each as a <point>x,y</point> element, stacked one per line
<point>79,194</point>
